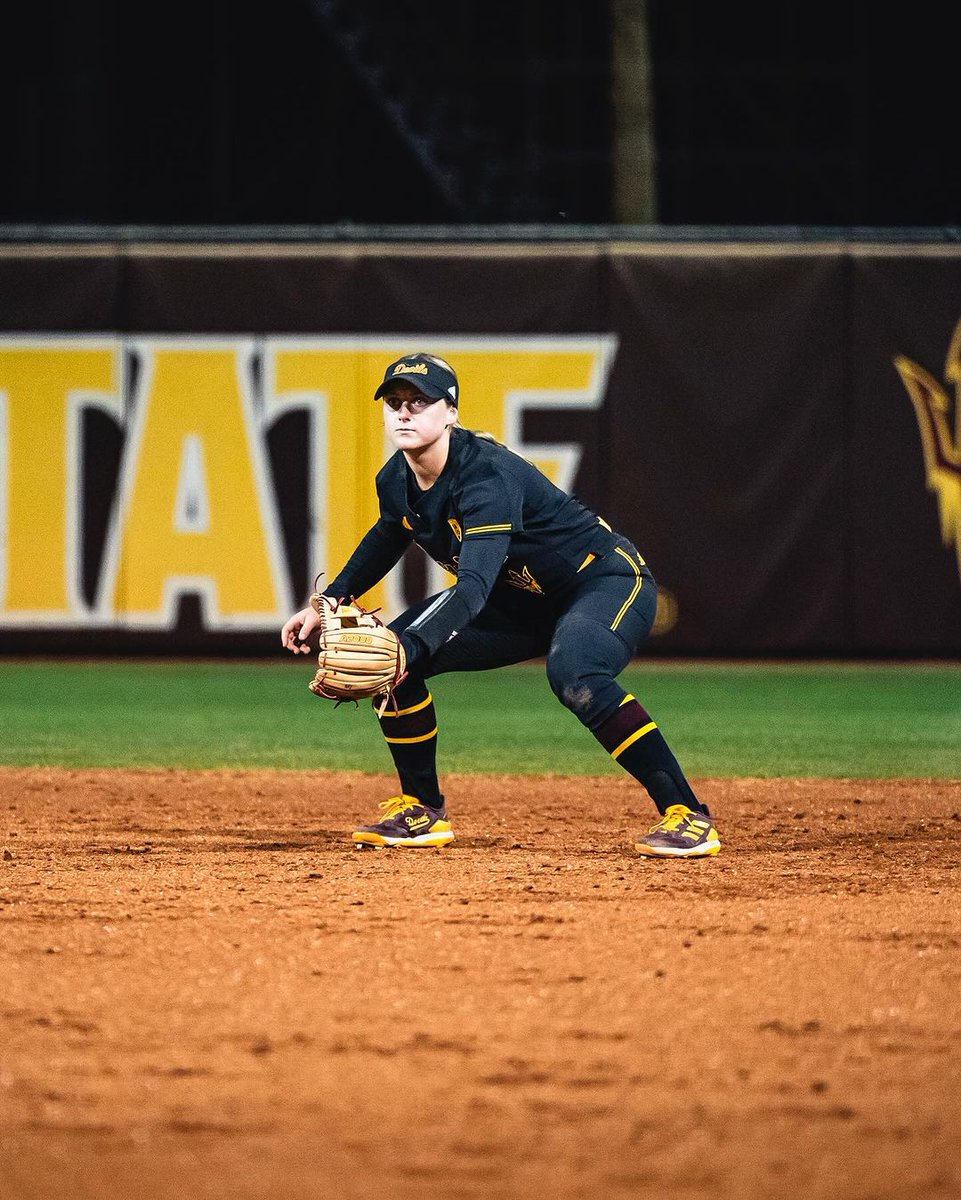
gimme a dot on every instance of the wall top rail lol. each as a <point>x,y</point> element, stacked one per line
<point>341,234</point>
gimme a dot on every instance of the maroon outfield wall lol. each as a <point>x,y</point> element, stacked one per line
<point>754,437</point>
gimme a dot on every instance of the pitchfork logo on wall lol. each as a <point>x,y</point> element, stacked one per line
<point>942,445</point>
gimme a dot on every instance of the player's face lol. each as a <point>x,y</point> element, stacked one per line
<point>410,423</point>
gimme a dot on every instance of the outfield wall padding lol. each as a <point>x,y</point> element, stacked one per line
<point>738,410</point>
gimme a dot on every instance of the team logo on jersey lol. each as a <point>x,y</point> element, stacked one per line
<point>941,445</point>
<point>455,525</point>
<point>524,579</point>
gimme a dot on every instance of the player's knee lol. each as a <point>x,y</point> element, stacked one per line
<point>581,672</point>
<point>574,684</point>
<point>578,697</point>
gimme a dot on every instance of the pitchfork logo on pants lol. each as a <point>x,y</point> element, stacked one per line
<point>942,446</point>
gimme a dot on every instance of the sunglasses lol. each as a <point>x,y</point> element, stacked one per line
<point>415,403</point>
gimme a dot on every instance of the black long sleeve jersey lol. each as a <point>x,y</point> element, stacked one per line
<point>492,519</point>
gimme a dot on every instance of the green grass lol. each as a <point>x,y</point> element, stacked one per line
<point>835,720</point>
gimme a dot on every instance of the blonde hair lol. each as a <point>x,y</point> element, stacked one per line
<point>481,433</point>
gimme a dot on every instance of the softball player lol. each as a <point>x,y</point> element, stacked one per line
<point>538,575</point>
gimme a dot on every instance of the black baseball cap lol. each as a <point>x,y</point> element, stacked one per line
<point>430,375</point>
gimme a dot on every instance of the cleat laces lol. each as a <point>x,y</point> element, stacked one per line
<point>395,805</point>
<point>672,820</point>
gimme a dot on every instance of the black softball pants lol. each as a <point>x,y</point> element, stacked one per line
<point>587,635</point>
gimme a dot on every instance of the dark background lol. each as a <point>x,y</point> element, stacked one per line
<point>322,112</point>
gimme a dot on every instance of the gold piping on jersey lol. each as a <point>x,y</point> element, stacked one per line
<point>586,563</point>
<point>406,524</point>
<point>638,584</point>
<point>489,529</point>
<point>627,699</point>
<point>635,737</point>
<point>402,712</point>
<point>424,737</point>
<point>455,525</point>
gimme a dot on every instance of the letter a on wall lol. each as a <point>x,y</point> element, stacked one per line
<point>195,511</point>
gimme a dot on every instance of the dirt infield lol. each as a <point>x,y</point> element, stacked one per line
<point>205,992</point>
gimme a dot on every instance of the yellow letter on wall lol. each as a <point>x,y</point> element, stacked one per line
<point>196,510</point>
<point>330,377</point>
<point>44,386</point>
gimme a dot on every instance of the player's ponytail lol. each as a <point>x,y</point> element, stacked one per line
<point>481,433</point>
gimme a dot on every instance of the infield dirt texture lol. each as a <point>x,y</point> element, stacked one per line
<point>205,992</point>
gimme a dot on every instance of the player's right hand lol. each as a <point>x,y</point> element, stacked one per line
<point>295,634</point>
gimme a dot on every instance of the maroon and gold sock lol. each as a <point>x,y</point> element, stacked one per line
<point>411,736</point>
<point>633,740</point>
